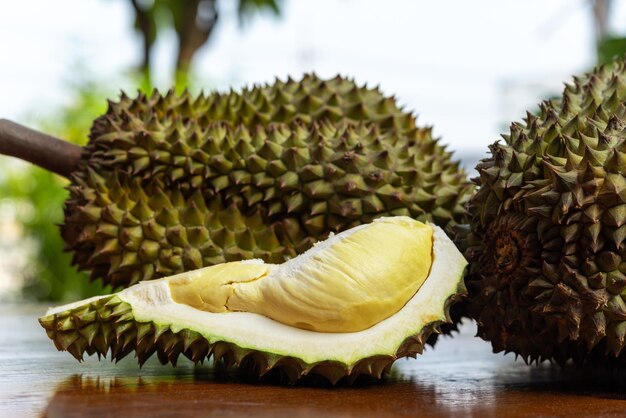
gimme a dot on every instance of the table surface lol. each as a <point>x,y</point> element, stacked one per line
<point>461,377</point>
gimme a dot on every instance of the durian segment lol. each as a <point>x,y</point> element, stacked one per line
<point>175,183</point>
<point>343,284</point>
<point>547,246</point>
<point>144,318</point>
<point>211,288</point>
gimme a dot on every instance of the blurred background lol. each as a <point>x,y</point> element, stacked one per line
<point>467,68</point>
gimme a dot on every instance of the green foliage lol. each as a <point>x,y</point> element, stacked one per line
<point>247,8</point>
<point>88,100</point>
<point>611,48</point>
<point>39,197</point>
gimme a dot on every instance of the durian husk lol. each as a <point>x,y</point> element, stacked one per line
<point>170,183</point>
<point>548,226</point>
<point>106,326</point>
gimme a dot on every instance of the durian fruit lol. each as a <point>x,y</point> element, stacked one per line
<point>349,306</point>
<point>547,248</point>
<point>172,183</point>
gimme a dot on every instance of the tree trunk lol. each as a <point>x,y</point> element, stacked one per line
<point>144,24</point>
<point>601,10</point>
<point>194,24</point>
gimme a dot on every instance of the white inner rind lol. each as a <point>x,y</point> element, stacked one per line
<point>152,302</point>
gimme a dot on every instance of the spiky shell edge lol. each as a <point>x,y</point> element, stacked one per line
<point>107,326</point>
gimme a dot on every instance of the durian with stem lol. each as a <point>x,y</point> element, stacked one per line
<point>170,183</point>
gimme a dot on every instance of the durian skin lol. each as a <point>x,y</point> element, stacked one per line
<point>172,183</point>
<point>107,327</point>
<point>547,270</point>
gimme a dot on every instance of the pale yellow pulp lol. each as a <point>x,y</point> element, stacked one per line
<point>347,283</point>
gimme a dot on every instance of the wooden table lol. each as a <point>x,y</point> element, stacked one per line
<point>460,378</point>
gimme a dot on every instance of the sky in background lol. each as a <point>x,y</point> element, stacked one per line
<point>466,67</point>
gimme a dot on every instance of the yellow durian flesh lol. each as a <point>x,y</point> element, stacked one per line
<point>347,283</point>
<point>209,289</point>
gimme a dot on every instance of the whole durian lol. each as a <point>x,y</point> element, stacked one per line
<point>349,306</point>
<point>548,227</point>
<point>170,183</point>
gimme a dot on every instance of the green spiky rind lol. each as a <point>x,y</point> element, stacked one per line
<point>307,100</point>
<point>547,252</point>
<point>172,183</point>
<point>107,326</point>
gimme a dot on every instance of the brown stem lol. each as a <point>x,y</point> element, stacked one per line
<point>41,149</point>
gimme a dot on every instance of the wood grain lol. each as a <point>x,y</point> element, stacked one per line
<point>460,378</point>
